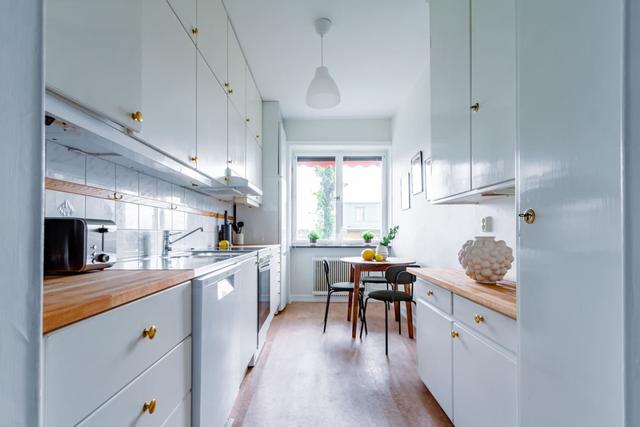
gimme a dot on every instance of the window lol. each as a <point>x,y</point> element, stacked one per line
<point>339,196</point>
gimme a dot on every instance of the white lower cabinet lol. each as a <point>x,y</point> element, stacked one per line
<point>484,382</point>
<point>469,370</point>
<point>181,415</point>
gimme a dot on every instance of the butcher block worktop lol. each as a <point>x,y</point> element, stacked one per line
<point>69,299</point>
<point>500,297</point>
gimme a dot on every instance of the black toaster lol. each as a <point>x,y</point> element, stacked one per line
<point>74,245</point>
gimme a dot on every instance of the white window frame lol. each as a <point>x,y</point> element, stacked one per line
<point>339,155</point>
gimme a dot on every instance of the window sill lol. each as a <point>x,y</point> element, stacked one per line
<point>334,245</point>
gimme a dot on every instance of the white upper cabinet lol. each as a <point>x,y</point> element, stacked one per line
<point>212,36</point>
<point>168,83</point>
<point>237,74</point>
<point>450,97</point>
<point>254,108</point>
<point>211,124</point>
<point>254,160</point>
<point>236,146</point>
<point>493,87</point>
<point>186,11</point>
<point>94,55</point>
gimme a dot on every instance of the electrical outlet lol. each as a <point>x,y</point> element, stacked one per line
<point>487,224</point>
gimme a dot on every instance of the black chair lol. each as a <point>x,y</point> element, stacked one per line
<point>340,287</point>
<point>395,276</point>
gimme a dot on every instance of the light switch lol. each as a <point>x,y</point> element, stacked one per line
<point>487,224</point>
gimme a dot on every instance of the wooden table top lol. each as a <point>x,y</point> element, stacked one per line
<point>69,299</point>
<point>500,297</point>
<point>389,261</point>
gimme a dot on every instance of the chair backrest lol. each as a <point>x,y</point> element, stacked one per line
<point>392,272</point>
<point>325,266</point>
<point>398,275</point>
<point>406,278</point>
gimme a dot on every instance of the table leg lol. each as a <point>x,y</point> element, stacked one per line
<point>354,310</point>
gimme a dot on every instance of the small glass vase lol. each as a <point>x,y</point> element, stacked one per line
<point>382,250</point>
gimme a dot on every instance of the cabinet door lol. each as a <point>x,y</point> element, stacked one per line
<point>93,55</point>
<point>169,83</point>
<point>434,351</point>
<point>493,87</point>
<point>236,142</point>
<point>254,160</point>
<point>185,11</point>
<point>450,97</point>
<point>484,382</point>
<point>212,36</point>
<point>237,74</point>
<point>212,123</point>
<point>254,107</point>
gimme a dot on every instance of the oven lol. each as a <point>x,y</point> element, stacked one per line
<point>264,287</point>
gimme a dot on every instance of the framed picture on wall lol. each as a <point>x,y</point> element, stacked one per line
<point>427,178</point>
<point>405,192</point>
<point>417,174</point>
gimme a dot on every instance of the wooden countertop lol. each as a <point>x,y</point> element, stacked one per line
<point>500,297</point>
<point>69,299</point>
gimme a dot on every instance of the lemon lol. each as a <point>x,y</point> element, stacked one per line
<point>368,254</point>
<point>379,257</point>
<point>224,244</point>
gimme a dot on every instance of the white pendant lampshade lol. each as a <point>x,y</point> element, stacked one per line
<point>323,91</point>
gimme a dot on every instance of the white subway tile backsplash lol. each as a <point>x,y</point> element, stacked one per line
<point>126,180</point>
<point>148,217</point>
<point>65,164</point>
<point>59,204</point>
<point>127,216</point>
<point>127,242</point>
<point>177,194</point>
<point>148,243</point>
<point>101,173</point>
<point>177,220</point>
<point>164,219</point>
<point>100,208</point>
<point>148,186</point>
<point>164,190</point>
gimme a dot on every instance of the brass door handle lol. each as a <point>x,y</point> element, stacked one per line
<point>194,158</point>
<point>475,107</point>
<point>454,334</point>
<point>137,117</point>
<point>150,406</point>
<point>150,332</point>
<point>478,318</point>
<point>529,216</point>
<point>195,31</point>
<point>429,293</point>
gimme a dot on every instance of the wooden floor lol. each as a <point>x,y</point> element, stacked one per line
<point>307,378</point>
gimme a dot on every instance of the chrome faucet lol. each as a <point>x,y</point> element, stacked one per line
<point>167,242</point>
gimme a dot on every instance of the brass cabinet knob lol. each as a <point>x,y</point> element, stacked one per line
<point>454,334</point>
<point>478,318</point>
<point>194,158</point>
<point>226,84</point>
<point>116,196</point>
<point>150,332</point>
<point>475,107</point>
<point>529,216</point>
<point>429,293</point>
<point>230,91</point>
<point>195,31</point>
<point>258,136</point>
<point>137,117</point>
<point>247,120</point>
<point>150,406</point>
<point>229,161</point>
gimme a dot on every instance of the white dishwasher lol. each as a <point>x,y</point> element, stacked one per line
<point>224,338</point>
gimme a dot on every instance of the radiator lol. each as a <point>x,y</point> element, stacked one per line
<point>338,272</point>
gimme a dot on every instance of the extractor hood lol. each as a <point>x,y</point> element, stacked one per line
<point>235,186</point>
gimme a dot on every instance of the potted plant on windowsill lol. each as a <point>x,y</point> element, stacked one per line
<point>383,246</point>
<point>313,237</point>
<point>368,236</point>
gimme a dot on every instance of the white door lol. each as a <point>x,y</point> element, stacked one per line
<point>237,74</point>
<point>493,87</point>
<point>570,284</point>
<point>450,97</point>
<point>94,55</point>
<point>236,142</point>
<point>168,84</point>
<point>254,160</point>
<point>212,123</point>
<point>254,107</point>
<point>484,383</point>
<point>185,11</point>
<point>212,36</point>
<point>434,347</point>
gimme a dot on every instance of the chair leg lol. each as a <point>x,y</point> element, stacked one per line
<point>410,319</point>
<point>349,306</point>
<point>363,324</point>
<point>386,332</point>
<point>396,306</point>
<point>364,320</point>
<point>326,311</point>
<point>399,319</point>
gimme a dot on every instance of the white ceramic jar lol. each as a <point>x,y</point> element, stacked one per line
<point>485,260</point>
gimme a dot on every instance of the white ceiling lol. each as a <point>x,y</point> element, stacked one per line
<point>375,51</point>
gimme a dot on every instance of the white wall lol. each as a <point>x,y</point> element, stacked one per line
<point>353,131</point>
<point>21,178</point>
<point>433,234</point>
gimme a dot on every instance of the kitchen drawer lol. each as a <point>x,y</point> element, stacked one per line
<point>167,382</point>
<point>498,327</point>
<point>88,362</point>
<point>433,294</point>
<point>181,416</point>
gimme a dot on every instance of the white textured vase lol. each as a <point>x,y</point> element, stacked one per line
<point>382,250</point>
<point>485,260</point>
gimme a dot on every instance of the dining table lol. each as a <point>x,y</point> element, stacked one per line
<point>361,265</point>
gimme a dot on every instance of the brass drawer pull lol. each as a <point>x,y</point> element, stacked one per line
<point>150,406</point>
<point>150,332</point>
<point>429,293</point>
<point>475,107</point>
<point>137,116</point>
<point>454,334</point>
<point>478,318</point>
